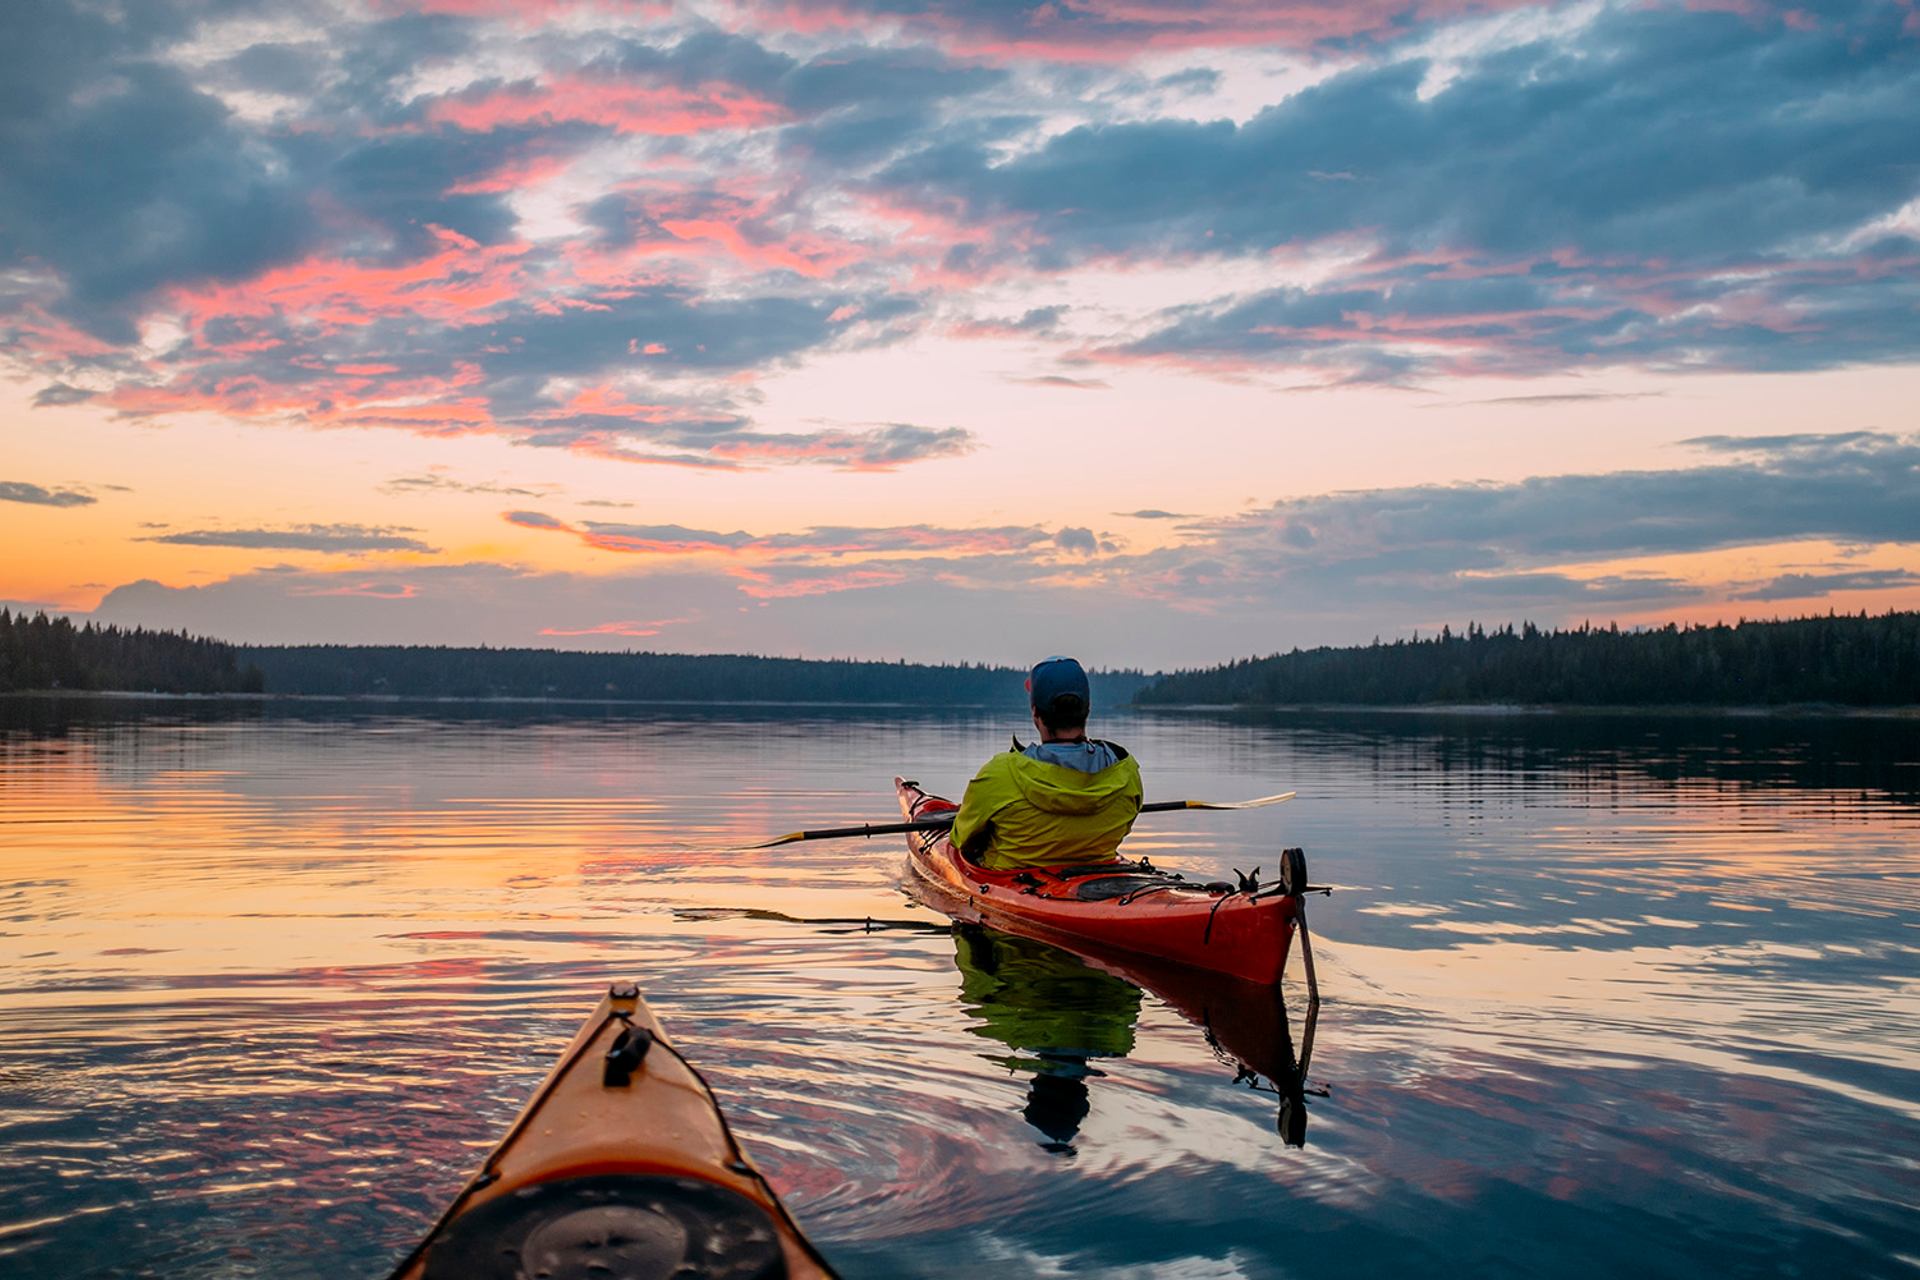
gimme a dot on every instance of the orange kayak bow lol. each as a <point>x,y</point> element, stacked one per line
<point>621,1167</point>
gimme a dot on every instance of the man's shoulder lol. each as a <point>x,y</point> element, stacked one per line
<point>1001,764</point>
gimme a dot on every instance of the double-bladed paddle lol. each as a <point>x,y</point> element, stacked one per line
<point>942,821</point>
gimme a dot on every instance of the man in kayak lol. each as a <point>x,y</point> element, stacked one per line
<point>1066,800</point>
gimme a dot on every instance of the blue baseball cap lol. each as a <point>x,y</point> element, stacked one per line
<point>1056,677</point>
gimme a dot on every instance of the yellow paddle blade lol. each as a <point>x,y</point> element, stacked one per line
<point>1261,803</point>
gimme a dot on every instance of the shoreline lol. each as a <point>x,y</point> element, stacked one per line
<point>517,700</point>
<point>1492,710</point>
<point>1488,710</point>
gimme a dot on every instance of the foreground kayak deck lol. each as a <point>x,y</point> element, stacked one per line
<point>1129,907</point>
<point>621,1167</point>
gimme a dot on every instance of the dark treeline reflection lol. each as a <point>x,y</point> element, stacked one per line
<point>1875,756</point>
<point>1855,661</point>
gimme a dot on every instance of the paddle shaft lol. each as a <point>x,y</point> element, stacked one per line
<point>945,820</point>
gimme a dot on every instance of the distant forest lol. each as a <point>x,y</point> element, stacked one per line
<point>423,672</point>
<point>1848,660</point>
<point>39,652</point>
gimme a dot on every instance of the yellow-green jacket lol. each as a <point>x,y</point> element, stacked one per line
<point>1022,812</point>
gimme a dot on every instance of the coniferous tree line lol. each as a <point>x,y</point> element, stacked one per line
<point>40,652</point>
<point>419,671</point>
<point>1851,660</point>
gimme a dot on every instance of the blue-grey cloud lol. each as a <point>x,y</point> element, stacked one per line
<point>119,174</point>
<point>1661,132</point>
<point>1856,487</point>
<point>1551,401</point>
<point>1808,442</point>
<point>1077,33</point>
<point>59,393</point>
<point>534,520</point>
<point>1816,586</point>
<point>822,542</point>
<point>874,448</point>
<point>343,539</point>
<point>1062,381</point>
<point>39,496</point>
<point>1078,540</point>
<point>672,537</point>
<point>1655,190</point>
<point>863,74</point>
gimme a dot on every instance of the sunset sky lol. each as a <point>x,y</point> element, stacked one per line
<point>1160,333</point>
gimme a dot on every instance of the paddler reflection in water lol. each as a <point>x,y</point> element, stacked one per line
<point>1056,1013</point>
<point>1066,800</point>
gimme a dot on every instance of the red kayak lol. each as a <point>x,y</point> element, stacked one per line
<point>1129,906</point>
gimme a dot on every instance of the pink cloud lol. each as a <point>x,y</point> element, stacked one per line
<point>850,450</point>
<point>1103,31</point>
<point>453,285</point>
<point>763,587</point>
<point>659,546</point>
<point>514,175</point>
<point>808,255</point>
<point>363,590</point>
<point>605,401</point>
<point>812,544</point>
<point>598,444</point>
<point>51,338</point>
<point>438,407</point>
<point>924,235</point>
<point>987,330</point>
<point>634,629</point>
<point>527,12</point>
<point>625,107</point>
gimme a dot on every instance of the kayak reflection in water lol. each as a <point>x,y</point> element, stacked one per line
<point>1055,1012</point>
<point>1066,800</point>
<point>1059,1013</point>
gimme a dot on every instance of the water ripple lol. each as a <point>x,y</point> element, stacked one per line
<point>1600,994</point>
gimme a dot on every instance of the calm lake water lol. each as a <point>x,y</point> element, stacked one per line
<point>1600,995</point>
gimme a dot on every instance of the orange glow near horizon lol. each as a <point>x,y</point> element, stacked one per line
<point>283,480</point>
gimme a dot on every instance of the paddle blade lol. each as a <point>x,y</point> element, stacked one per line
<point>790,838</point>
<point>1260,803</point>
